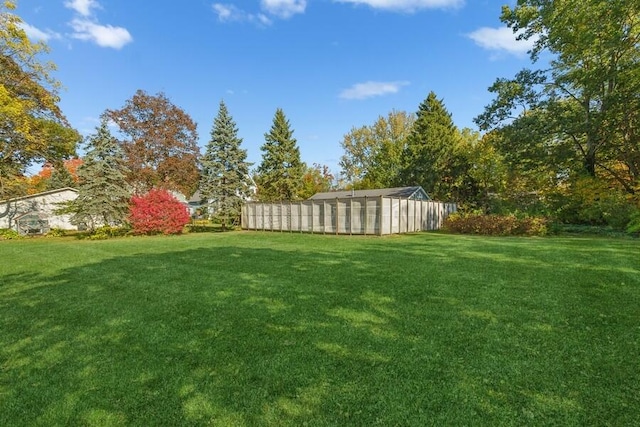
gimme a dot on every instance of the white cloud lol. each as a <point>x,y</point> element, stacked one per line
<point>82,7</point>
<point>501,40</point>
<point>37,34</point>
<point>230,13</point>
<point>406,5</point>
<point>102,35</point>
<point>370,89</point>
<point>283,8</point>
<point>86,26</point>
<point>263,19</point>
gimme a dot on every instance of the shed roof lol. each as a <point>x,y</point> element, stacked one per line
<point>44,193</point>
<point>415,192</point>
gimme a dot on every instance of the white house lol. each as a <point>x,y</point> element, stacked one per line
<point>36,213</point>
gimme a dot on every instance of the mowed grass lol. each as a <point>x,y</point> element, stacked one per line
<point>270,329</point>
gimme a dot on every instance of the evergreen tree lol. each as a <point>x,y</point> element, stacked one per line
<point>430,158</point>
<point>60,178</point>
<point>103,193</point>
<point>280,173</point>
<point>225,171</point>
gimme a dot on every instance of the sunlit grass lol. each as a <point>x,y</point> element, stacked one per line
<point>287,329</point>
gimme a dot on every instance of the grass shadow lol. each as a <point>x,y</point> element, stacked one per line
<point>289,329</point>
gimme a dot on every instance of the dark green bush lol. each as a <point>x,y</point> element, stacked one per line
<point>633,227</point>
<point>593,202</point>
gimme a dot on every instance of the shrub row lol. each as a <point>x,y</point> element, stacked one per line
<point>496,225</point>
<point>8,234</point>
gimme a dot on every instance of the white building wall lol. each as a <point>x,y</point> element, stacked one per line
<point>45,204</point>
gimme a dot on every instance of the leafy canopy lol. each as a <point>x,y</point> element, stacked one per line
<point>32,126</point>
<point>159,141</point>
<point>373,154</point>
<point>579,115</point>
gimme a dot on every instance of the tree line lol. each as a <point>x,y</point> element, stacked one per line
<point>560,139</point>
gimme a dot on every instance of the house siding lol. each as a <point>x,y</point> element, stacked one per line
<point>44,204</point>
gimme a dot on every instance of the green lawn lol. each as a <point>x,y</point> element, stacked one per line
<point>270,329</point>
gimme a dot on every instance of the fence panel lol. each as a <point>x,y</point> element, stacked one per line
<point>372,217</point>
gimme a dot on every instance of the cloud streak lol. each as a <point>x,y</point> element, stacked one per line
<point>230,13</point>
<point>269,9</point>
<point>408,6</point>
<point>37,34</point>
<point>371,89</point>
<point>284,8</point>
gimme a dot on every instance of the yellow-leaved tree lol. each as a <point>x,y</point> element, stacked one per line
<point>32,127</point>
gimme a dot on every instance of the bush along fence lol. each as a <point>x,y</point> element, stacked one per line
<point>366,215</point>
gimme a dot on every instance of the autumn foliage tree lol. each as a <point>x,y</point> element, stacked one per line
<point>32,126</point>
<point>51,176</point>
<point>316,179</point>
<point>157,212</point>
<point>160,144</point>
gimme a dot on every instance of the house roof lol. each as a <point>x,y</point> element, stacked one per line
<point>44,193</point>
<point>399,192</point>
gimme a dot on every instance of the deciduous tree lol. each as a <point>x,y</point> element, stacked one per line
<point>225,170</point>
<point>581,113</point>
<point>373,154</point>
<point>160,144</point>
<point>279,176</point>
<point>32,126</point>
<point>316,179</point>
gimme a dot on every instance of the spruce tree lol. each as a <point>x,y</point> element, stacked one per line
<point>280,173</point>
<point>60,178</point>
<point>430,153</point>
<point>103,193</point>
<point>225,171</point>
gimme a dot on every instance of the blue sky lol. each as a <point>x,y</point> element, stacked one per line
<point>331,65</point>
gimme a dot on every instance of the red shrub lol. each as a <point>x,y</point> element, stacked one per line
<point>157,212</point>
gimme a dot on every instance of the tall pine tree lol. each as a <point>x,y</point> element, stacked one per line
<point>430,158</point>
<point>225,171</point>
<point>103,193</point>
<point>280,173</point>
